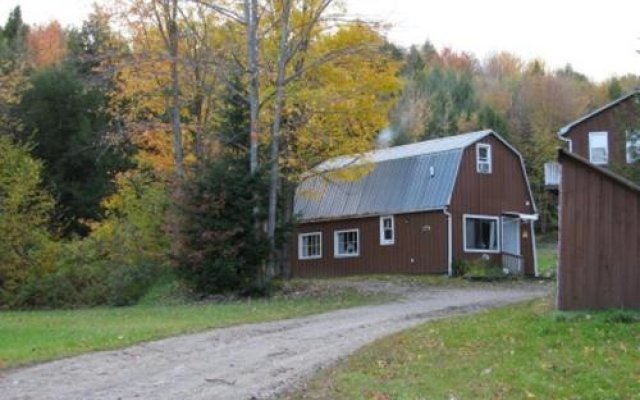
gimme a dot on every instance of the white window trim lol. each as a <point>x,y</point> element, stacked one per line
<point>383,241</point>
<point>606,135</point>
<point>489,157</point>
<point>301,237</point>
<point>335,244</point>
<point>464,233</point>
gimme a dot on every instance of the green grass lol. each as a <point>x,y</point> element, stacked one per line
<point>32,336</point>
<point>547,259</point>
<point>519,352</point>
<point>438,280</point>
<point>547,252</point>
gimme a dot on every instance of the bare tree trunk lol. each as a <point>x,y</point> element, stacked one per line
<point>251,29</point>
<point>199,107</point>
<point>251,20</point>
<point>167,23</point>
<point>287,190</point>
<point>172,27</point>
<point>275,137</point>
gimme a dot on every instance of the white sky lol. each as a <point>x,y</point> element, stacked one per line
<point>597,38</point>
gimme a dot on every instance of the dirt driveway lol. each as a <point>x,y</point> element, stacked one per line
<point>249,361</point>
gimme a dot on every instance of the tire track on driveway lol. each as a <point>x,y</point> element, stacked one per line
<point>256,361</point>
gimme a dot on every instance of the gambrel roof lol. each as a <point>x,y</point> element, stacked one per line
<point>563,131</point>
<point>409,178</point>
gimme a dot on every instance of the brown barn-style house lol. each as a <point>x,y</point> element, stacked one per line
<point>599,211</point>
<point>417,209</point>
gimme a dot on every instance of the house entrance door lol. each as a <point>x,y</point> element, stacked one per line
<point>511,256</point>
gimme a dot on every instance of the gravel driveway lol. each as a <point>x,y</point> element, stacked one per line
<point>244,362</point>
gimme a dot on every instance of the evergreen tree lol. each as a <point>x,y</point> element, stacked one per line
<point>221,250</point>
<point>66,124</point>
<point>13,38</point>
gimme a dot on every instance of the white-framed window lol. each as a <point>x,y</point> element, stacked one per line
<point>310,246</point>
<point>633,146</point>
<point>346,243</point>
<point>483,158</point>
<point>481,233</point>
<point>599,148</point>
<point>387,230</point>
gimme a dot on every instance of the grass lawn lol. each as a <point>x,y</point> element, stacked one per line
<point>520,352</point>
<point>31,336</point>
<point>547,258</point>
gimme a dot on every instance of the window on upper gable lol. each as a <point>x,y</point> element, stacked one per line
<point>599,148</point>
<point>483,158</point>
<point>633,146</point>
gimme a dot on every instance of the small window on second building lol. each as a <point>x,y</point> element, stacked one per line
<point>633,146</point>
<point>483,158</point>
<point>387,231</point>
<point>346,243</point>
<point>599,148</point>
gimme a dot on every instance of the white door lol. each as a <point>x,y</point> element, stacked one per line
<point>511,236</point>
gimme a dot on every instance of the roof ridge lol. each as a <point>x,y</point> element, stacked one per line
<point>431,146</point>
<point>563,131</point>
<point>440,138</point>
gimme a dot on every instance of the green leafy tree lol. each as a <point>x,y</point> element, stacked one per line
<point>24,213</point>
<point>66,123</point>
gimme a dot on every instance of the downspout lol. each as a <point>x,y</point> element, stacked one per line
<point>569,142</point>
<point>449,241</point>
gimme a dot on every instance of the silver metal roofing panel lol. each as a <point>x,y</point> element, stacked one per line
<point>394,185</point>
<point>408,150</point>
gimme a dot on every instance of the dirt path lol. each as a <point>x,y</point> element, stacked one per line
<point>244,362</point>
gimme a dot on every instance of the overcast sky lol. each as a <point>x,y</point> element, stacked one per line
<point>598,38</point>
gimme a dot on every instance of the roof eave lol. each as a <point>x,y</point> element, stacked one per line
<point>370,215</point>
<point>565,129</point>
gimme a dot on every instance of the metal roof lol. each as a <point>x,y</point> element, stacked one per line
<point>409,150</point>
<point>563,131</point>
<point>409,178</point>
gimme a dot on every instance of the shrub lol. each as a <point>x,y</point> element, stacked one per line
<point>484,269</point>
<point>85,285</point>
<point>117,264</point>
<point>460,267</point>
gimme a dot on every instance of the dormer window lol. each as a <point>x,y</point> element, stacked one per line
<point>483,158</point>
<point>599,148</point>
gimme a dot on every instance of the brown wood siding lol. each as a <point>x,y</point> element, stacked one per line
<point>615,120</point>
<point>599,264</point>
<point>420,247</point>
<point>505,189</point>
